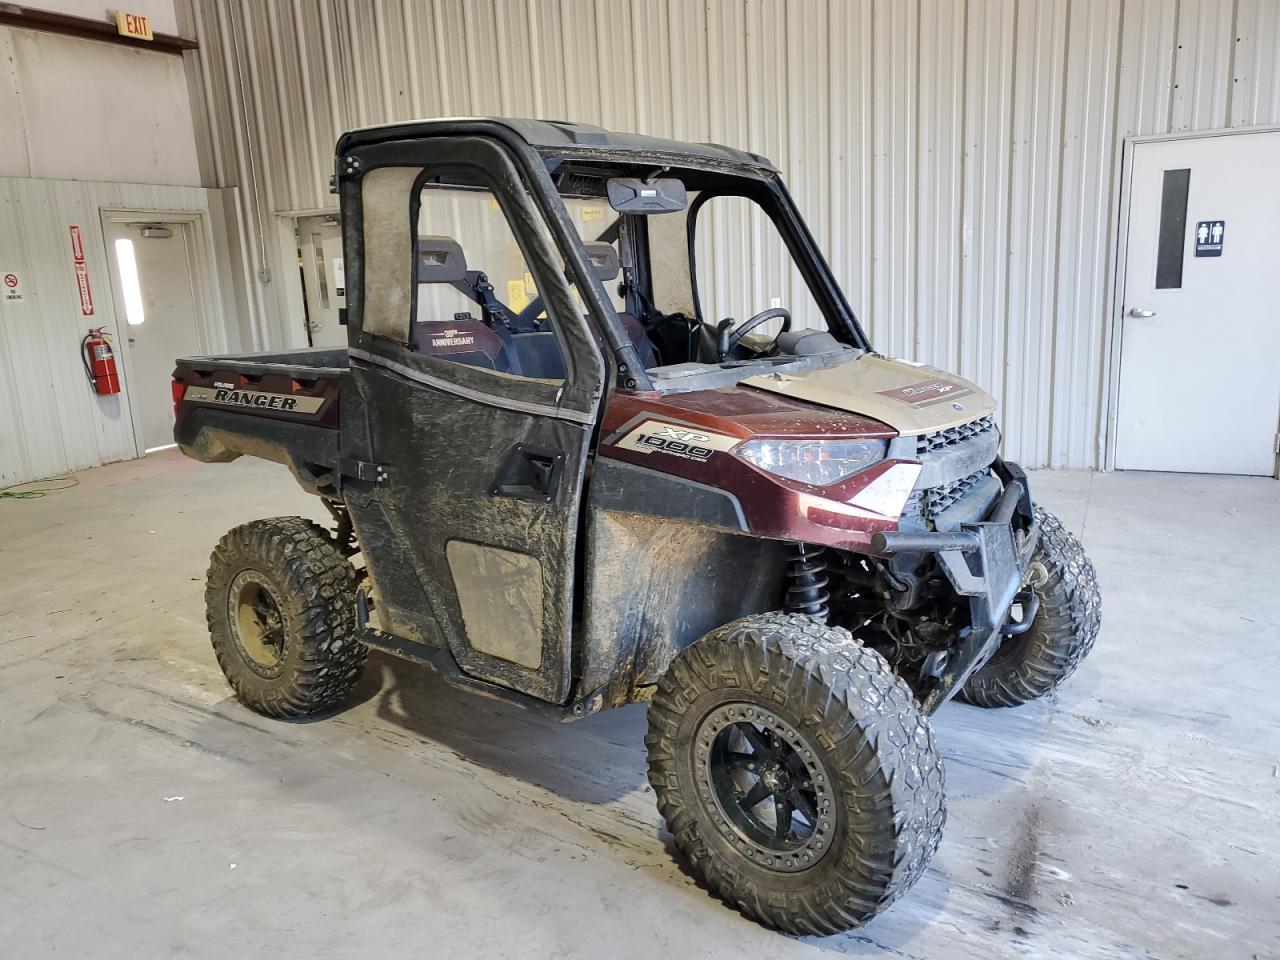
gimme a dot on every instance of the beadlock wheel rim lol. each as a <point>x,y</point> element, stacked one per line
<point>257,625</point>
<point>766,787</point>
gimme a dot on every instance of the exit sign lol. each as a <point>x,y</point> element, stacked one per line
<point>133,25</point>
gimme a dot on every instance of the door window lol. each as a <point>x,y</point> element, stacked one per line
<point>477,301</point>
<point>473,298</point>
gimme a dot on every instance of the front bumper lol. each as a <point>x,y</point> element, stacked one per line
<point>985,561</point>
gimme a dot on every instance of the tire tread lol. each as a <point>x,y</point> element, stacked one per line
<point>847,697</point>
<point>1064,631</point>
<point>318,585</point>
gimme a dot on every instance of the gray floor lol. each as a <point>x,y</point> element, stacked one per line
<point>145,814</point>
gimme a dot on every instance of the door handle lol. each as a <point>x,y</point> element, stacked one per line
<point>1140,313</point>
<point>528,473</point>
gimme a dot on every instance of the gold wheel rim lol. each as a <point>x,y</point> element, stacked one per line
<point>257,621</point>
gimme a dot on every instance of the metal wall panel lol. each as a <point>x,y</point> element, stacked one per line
<point>51,422</point>
<point>959,162</point>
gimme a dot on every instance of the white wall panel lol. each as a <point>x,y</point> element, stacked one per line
<point>76,109</point>
<point>957,161</point>
<point>50,419</point>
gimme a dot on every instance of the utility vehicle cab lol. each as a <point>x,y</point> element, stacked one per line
<point>608,431</point>
<point>642,224</point>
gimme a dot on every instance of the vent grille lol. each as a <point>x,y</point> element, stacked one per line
<point>933,501</point>
<point>933,442</point>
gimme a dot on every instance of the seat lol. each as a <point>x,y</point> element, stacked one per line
<point>603,257</point>
<point>538,354</point>
<point>462,341</point>
<point>640,340</point>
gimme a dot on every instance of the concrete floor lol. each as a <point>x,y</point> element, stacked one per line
<point>146,814</point>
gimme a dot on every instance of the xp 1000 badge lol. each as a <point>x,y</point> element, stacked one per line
<point>654,436</point>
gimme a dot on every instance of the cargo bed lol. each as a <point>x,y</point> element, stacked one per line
<point>281,406</point>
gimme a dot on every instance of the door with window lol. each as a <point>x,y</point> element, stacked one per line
<point>1199,378</point>
<point>155,297</point>
<point>479,413</point>
<point>323,279</point>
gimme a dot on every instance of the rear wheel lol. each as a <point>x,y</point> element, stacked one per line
<point>1031,665</point>
<point>795,773</point>
<point>280,601</point>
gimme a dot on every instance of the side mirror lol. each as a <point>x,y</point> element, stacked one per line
<point>633,195</point>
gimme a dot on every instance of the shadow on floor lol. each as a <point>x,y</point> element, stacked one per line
<point>595,760</point>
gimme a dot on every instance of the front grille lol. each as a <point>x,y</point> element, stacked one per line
<point>933,442</point>
<point>929,503</point>
<point>953,462</point>
<point>939,498</point>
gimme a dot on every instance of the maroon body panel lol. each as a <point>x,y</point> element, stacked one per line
<point>325,386</point>
<point>774,506</point>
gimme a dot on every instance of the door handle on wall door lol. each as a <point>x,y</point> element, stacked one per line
<point>1140,313</point>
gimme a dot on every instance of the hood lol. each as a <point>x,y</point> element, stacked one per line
<point>910,397</point>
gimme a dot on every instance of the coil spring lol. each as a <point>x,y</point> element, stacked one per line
<point>807,592</point>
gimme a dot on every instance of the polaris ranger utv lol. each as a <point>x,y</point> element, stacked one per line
<point>569,480</point>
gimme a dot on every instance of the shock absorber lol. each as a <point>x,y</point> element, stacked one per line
<point>807,572</point>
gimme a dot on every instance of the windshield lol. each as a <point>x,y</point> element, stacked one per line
<point>714,284</point>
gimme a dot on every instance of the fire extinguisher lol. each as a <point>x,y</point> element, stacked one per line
<point>99,362</point>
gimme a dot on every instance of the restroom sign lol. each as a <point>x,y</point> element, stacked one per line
<point>1209,237</point>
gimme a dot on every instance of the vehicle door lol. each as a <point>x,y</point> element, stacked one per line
<point>481,431</point>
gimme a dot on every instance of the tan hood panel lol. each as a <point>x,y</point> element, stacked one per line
<point>911,398</point>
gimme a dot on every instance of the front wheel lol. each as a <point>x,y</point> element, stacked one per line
<point>795,773</point>
<point>1032,664</point>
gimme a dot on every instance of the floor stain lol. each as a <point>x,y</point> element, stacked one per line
<point>1020,881</point>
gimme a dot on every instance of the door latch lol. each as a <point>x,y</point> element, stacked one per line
<point>363,470</point>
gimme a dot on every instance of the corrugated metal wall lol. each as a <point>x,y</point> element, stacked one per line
<point>51,422</point>
<point>958,161</point>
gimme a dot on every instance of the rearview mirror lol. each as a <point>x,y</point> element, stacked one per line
<point>633,195</point>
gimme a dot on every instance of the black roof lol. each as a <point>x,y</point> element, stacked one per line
<point>558,136</point>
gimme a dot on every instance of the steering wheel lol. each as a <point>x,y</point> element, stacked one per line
<point>730,337</point>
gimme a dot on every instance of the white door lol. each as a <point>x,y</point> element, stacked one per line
<point>157,316</point>
<point>1200,341</point>
<point>323,279</point>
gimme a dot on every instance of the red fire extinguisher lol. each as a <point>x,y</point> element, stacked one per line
<point>99,362</point>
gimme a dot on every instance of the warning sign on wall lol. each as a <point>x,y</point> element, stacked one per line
<point>11,292</point>
<point>86,295</point>
<point>82,272</point>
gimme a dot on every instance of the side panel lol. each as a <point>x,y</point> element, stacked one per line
<point>687,437</point>
<point>653,586</point>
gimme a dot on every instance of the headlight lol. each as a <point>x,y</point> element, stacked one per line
<point>817,462</point>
